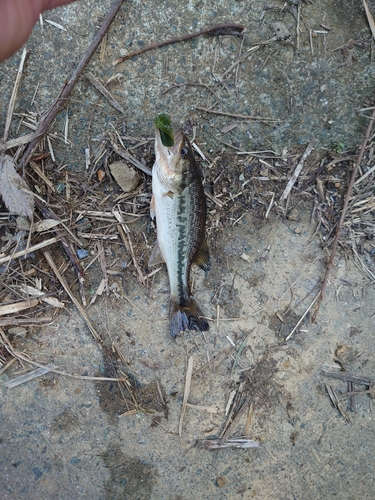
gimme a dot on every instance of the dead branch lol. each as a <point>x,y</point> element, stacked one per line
<point>68,86</point>
<point>343,215</point>
<point>218,29</point>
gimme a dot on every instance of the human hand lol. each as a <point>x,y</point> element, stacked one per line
<point>17,19</point>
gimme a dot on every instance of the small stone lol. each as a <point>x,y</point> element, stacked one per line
<point>298,230</point>
<point>292,214</point>
<point>126,177</point>
<point>221,481</point>
<point>17,331</point>
<point>60,187</point>
<point>280,31</point>
<point>81,253</point>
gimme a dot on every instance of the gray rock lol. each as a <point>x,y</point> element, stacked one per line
<point>126,177</point>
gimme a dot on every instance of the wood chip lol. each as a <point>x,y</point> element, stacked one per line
<point>297,171</point>
<point>189,373</point>
<point>18,306</point>
<point>25,252</point>
<point>28,376</point>
<point>214,444</point>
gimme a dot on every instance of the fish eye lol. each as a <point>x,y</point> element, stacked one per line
<point>184,152</point>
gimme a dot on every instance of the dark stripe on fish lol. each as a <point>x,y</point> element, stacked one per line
<point>181,251</point>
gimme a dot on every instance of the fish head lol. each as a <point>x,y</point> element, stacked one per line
<point>174,157</point>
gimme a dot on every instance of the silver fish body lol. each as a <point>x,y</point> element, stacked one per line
<point>179,205</point>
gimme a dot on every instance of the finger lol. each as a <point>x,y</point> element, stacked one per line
<point>52,4</point>
<point>17,19</point>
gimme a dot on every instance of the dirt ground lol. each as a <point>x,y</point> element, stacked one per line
<point>69,438</point>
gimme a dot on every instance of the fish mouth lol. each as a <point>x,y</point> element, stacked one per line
<point>166,151</point>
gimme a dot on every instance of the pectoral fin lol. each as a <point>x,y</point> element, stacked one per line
<point>156,256</point>
<point>152,207</point>
<point>203,257</point>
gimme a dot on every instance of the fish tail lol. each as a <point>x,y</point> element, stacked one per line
<point>186,317</point>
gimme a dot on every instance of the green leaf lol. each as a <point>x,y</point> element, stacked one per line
<point>163,124</point>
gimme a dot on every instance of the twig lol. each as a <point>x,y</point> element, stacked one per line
<point>241,117</point>
<point>18,306</point>
<point>25,252</point>
<point>25,321</point>
<point>301,318</point>
<point>347,377</point>
<point>49,214</point>
<point>12,101</point>
<point>189,373</point>
<point>370,19</point>
<point>218,29</point>
<point>336,403</point>
<point>63,282</point>
<point>19,141</point>
<point>243,56</point>
<point>343,215</point>
<point>215,444</point>
<point>68,86</point>
<point>239,352</point>
<point>226,350</point>
<point>297,171</point>
<point>127,156</point>
<point>22,379</point>
<point>105,92</point>
<point>50,368</point>
<point>125,236</point>
<point>8,365</point>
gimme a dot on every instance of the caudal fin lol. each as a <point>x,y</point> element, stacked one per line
<point>186,317</point>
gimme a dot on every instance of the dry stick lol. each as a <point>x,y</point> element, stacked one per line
<point>370,19</point>
<point>14,96</point>
<point>343,215</point>
<point>131,159</point>
<point>49,214</point>
<point>25,252</point>
<point>347,377</point>
<point>297,171</point>
<point>301,318</point>
<point>25,321</point>
<point>125,236</point>
<point>218,29</point>
<point>240,117</point>
<point>19,141</point>
<point>68,86</point>
<point>52,369</point>
<point>189,373</point>
<point>18,306</point>
<point>105,92</point>
<point>62,280</point>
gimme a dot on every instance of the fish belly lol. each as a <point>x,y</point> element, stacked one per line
<point>179,234</point>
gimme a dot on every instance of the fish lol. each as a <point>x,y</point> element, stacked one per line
<point>179,206</point>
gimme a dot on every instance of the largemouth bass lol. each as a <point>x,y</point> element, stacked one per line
<point>179,205</point>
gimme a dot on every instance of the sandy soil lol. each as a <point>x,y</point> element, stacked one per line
<point>64,438</point>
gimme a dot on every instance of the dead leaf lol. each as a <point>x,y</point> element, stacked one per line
<point>46,224</point>
<point>34,292</point>
<point>101,175</point>
<point>12,187</point>
<point>370,19</point>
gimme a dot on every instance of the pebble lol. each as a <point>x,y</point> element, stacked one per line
<point>126,177</point>
<point>221,481</point>
<point>17,331</point>
<point>81,253</point>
